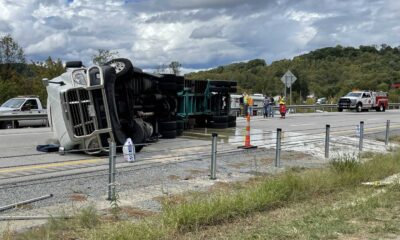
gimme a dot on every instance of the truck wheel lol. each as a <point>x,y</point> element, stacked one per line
<point>359,107</point>
<point>168,126</point>
<point>231,124</point>
<point>9,125</point>
<point>168,134</point>
<point>219,119</point>
<point>231,118</point>
<point>179,127</point>
<point>381,108</point>
<point>340,109</point>
<point>121,65</point>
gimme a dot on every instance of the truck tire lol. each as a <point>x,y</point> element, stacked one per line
<point>340,109</point>
<point>359,107</point>
<point>217,125</point>
<point>168,126</point>
<point>179,127</point>
<point>9,125</point>
<point>231,124</point>
<point>168,134</point>
<point>200,121</point>
<point>219,119</point>
<point>382,108</point>
<point>231,118</point>
<point>121,66</point>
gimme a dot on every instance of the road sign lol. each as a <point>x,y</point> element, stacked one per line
<point>288,78</point>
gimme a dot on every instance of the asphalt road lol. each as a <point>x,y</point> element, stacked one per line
<point>19,160</point>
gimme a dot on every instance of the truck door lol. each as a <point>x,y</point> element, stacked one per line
<point>30,107</point>
<point>366,100</point>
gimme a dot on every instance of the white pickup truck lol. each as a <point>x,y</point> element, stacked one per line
<point>364,101</point>
<point>22,105</point>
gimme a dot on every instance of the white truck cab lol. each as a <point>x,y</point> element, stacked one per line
<point>22,105</point>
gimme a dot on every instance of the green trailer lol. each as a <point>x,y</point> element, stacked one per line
<point>206,103</point>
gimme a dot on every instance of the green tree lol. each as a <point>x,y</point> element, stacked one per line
<point>47,69</point>
<point>12,58</point>
<point>10,51</point>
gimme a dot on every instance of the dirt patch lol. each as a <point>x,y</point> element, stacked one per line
<point>78,197</point>
<point>237,165</point>
<point>173,177</point>
<point>295,155</point>
<point>24,207</point>
<point>171,199</point>
<point>267,160</point>
<point>195,171</point>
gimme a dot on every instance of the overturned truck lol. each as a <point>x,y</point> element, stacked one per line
<point>88,107</point>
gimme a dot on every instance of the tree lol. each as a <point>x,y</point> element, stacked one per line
<point>104,56</point>
<point>161,68</point>
<point>175,67</point>
<point>12,58</point>
<point>10,51</point>
<point>47,69</point>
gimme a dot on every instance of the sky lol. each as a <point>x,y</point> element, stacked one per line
<point>200,34</point>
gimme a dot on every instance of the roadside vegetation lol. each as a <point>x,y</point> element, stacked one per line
<point>329,72</point>
<point>329,203</point>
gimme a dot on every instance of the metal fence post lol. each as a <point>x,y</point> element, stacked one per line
<point>278,148</point>
<point>111,171</point>
<point>214,156</point>
<point>327,132</point>
<point>360,147</point>
<point>387,132</point>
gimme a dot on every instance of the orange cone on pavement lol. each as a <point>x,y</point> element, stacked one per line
<point>247,144</point>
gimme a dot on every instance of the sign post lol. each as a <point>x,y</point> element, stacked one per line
<point>288,79</point>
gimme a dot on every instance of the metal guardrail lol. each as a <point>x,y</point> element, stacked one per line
<point>307,108</point>
<point>23,116</point>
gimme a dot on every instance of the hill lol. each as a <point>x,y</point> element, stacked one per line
<point>326,72</point>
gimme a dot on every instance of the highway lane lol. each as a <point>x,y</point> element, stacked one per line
<point>19,159</point>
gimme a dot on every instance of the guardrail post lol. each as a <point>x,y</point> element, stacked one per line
<point>327,132</point>
<point>111,171</point>
<point>277,162</point>
<point>387,132</point>
<point>360,146</point>
<point>214,157</point>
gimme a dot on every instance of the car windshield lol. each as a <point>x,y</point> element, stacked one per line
<point>13,103</point>
<point>353,94</point>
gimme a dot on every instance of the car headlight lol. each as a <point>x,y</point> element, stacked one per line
<point>79,78</point>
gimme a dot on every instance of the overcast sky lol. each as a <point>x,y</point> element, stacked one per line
<point>197,33</point>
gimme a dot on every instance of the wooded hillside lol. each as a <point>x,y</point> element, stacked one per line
<point>328,72</point>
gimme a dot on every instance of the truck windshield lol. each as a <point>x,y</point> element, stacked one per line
<point>353,94</point>
<point>13,103</point>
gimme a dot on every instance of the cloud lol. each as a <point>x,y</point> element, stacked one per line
<point>206,32</point>
<point>197,33</point>
<point>48,45</point>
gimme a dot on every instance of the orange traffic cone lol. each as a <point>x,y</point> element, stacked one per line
<point>247,144</point>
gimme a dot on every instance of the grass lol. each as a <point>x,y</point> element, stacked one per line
<point>294,189</point>
<point>62,228</point>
